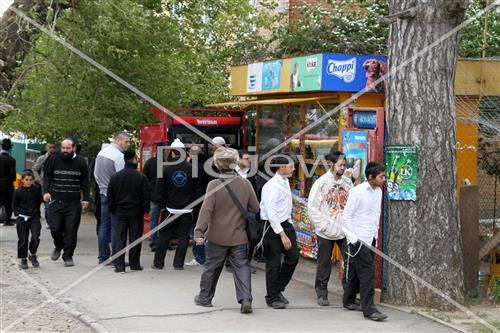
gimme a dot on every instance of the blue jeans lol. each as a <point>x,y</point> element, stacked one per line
<point>198,250</point>
<point>154,215</point>
<point>106,232</point>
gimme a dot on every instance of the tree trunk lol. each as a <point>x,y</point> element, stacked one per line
<point>424,236</point>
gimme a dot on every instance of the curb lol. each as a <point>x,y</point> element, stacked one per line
<point>84,318</point>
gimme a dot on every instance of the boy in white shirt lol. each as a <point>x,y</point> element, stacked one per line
<point>360,220</point>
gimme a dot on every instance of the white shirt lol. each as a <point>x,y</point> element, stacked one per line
<point>362,213</point>
<point>276,202</point>
<point>242,172</point>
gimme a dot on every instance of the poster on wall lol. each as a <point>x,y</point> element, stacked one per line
<point>271,75</point>
<point>306,73</point>
<point>254,77</point>
<point>401,166</point>
<point>355,148</point>
<point>345,72</point>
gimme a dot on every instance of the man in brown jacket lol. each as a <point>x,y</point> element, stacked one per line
<point>222,225</point>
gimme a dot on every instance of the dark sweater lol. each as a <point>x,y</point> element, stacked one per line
<point>149,170</point>
<point>177,188</point>
<point>27,200</point>
<point>128,190</point>
<point>7,168</point>
<point>66,180</point>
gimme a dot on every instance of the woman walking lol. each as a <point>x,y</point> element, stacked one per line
<point>222,227</point>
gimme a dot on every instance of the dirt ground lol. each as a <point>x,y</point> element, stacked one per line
<point>20,294</point>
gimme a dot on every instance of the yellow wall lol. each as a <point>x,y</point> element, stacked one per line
<point>467,141</point>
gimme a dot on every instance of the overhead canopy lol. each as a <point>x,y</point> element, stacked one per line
<point>271,101</point>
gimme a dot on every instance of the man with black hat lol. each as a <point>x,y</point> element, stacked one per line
<point>128,200</point>
<point>66,189</point>
<point>7,179</point>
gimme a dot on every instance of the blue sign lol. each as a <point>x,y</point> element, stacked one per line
<point>344,72</point>
<point>365,119</point>
<point>271,75</point>
<point>355,149</point>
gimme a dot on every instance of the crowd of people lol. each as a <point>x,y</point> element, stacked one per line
<point>212,208</point>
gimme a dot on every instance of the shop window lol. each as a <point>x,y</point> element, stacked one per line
<point>323,137</point>
<point>273,127</point>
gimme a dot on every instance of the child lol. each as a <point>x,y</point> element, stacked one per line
<point>26,205</point>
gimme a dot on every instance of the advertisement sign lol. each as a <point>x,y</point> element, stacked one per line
<point>345,72</point>
<point>271,75</point>
<point>254,77</point>
<point>401,165</point>
<point>306,73</point>
<point>209,121</point>
<point>355,148</point>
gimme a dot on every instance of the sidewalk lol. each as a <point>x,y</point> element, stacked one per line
<point>163,300</point>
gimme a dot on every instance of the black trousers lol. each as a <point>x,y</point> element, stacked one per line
<point>6,194</point>
<point>64,223</point>
<point>180,227</point>
<point>278,272</point>
<point>324,263</point>
<point>237,256</point>
<point>360,276</point>
<point>129,222</point>
<point>24,228</point>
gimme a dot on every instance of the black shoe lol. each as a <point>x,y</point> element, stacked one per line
<point>68,262</point>
<point>277,305</point>
<point>34,261</point>
<point>23,264</point>
<point>352,307</point>
<point>138,268</point>
<point>119,270</point>
<point>8,223</point>
<point>246,307</point>
<point>323,301</point>
<point>178,268</point>
<point>198,302</point>
<point>283,299</point>
<point>55,254</point>
<point>377,316</point>
<point>155,267</point>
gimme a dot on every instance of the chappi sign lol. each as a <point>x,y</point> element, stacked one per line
<point>316,72</point>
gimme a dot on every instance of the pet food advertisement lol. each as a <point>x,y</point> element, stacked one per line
<point>355,148</point>
<point>344,72</point>
<point>306,73</point>
<point>401,165</point>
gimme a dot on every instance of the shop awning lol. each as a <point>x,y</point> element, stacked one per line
<point>272,101</point>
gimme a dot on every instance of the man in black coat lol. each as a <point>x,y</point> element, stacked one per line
<point>128,200</point>
<point>177,189</point>
<point>7,179</point>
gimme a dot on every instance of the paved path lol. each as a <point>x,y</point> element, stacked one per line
<point>163,300</point>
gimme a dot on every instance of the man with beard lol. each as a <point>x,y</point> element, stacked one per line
<point>66,189</point>
<point>326,203</point>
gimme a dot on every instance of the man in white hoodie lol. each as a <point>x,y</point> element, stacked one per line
<point>326,203</point>
<point>108,162</point>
